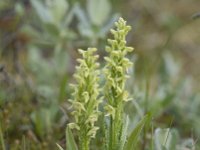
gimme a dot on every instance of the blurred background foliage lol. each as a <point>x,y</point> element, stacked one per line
<point>38,47</point>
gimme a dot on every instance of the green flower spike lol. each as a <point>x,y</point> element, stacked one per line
<point>116,75</point>
<point>85,97</point>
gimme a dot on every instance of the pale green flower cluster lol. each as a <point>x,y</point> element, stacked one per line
<point>117,67</point>
<point>116,71</point>
<point>86,92</point>
<point>85,97</point>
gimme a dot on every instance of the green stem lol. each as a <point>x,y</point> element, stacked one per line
<point>111,133</point>
<point>2,140</point>
<point>84,140</point>
<point>115,129</point>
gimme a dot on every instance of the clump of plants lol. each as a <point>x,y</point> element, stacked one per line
<point>88,95</point>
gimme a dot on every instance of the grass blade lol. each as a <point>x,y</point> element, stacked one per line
<point>60,148</point>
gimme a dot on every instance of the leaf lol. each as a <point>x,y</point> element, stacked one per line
<point>58,9</point>
<point>70,142</point>
<point>37,117</point>
<point>63,88</point>
<point>84,25</point>
<point>52,29</point>
<point>133,138</point>
<point>42,12</point>
<point>98,11</point>
<point>29,31</point>
<point>81,16</point>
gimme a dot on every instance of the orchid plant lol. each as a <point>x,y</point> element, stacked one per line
<point>86,96</point>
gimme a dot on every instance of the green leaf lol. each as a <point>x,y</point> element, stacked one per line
<point>58,9</point>
<point>38,120</point>
<point>42,12</point>
<point>63,87</point>
<point>52,29</point>
<point>29,31</point>
<point>98,11</point>
<point>133,138</point>
<point>70,142</point>
<point>84,25</point>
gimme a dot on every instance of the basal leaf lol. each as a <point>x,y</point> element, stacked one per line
<point>70,142</point>
<point>133,138</point>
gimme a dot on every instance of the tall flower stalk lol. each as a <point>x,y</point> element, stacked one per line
<point>115,94</point>
<point>85,97</point>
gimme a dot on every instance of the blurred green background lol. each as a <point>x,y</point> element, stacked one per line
<point>38,50</point>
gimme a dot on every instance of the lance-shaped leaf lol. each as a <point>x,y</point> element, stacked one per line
<point>133,138</point>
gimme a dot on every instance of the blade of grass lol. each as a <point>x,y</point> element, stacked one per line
<point>24,143</point>
<point>168,132</point>
<point>60,148</point>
